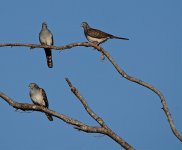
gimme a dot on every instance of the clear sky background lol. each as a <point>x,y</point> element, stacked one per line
<point>153,54</point>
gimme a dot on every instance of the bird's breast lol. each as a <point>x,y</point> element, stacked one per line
<point>98,40</point>
<point>38,99</point>
<point>46,38</point>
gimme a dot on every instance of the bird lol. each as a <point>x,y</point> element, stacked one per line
<point>38,97</point>
<point>97,36</point>
<point>46,38</point>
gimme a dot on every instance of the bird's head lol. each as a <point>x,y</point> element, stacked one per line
<point>85,25</point>
<point>44,25</point>
<point>33,86</point>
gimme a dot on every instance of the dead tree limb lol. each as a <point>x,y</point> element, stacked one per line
<point>102,128</point>
<point>119,69</point>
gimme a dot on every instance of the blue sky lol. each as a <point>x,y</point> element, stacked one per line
<point>153,54</point>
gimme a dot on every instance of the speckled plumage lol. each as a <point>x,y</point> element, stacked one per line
<point>97,36</point>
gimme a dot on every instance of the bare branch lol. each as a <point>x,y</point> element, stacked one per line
<point>32,46</point>
<point>75,123</point>
<point>152,88</point>
<point>84,103</point>
<point>120,71</point>
<point>106,130</point>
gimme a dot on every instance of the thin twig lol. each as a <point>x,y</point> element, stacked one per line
<point>84,103</point>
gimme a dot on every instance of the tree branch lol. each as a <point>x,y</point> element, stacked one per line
<point>32,46</point>
<point>77,124</point>
<point>106,129</point>
<point>120,71</point>
<point>84,103</point>
<point>66,119</point>
<point>147,85</point>
<point>33,107</point>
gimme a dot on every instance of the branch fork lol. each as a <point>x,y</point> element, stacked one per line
<point>102,128</point>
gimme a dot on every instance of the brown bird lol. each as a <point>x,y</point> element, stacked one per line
<point>97,36</point>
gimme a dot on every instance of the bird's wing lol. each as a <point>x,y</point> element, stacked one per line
<point>31,96</point>
<point>40,36</point>
<point>95,33</point>
<point>51,35</point>
<point>52,39</point>
<point>44,97</point>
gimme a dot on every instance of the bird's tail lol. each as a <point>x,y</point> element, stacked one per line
<point>116,37</point>
<point>48,53</point>
<point>49,117</point>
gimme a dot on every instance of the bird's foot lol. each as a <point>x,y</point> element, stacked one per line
<point>32,47</point>
<point>96,43</point>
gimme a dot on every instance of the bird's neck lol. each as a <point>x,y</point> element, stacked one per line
<point>44,28</point>
<point>34,91</point>
<point>86,28</point>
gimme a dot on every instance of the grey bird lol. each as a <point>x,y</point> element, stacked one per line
<point>38,97</point>
<point>97,36</point>
<point>46,38</point>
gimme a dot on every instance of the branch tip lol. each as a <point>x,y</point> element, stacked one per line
<point>68,81</point>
